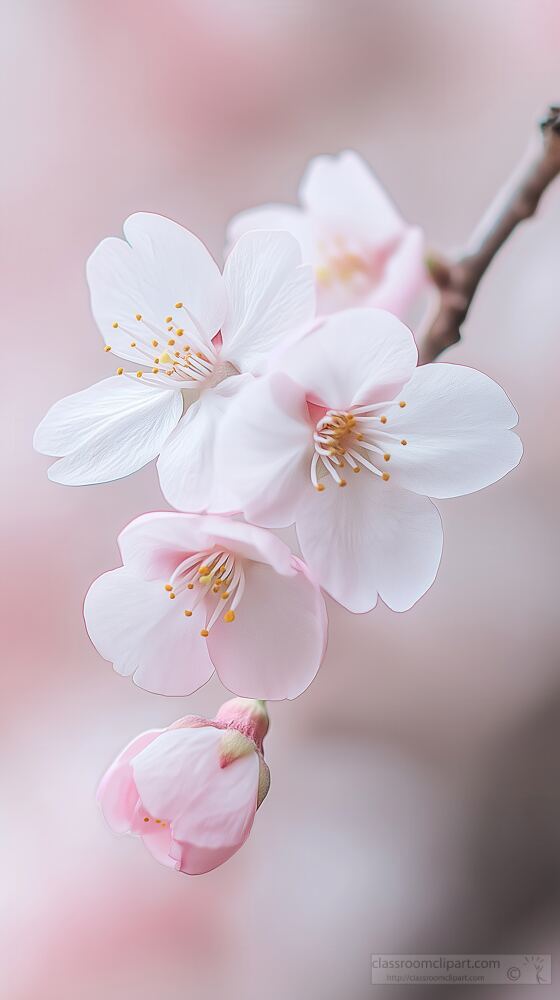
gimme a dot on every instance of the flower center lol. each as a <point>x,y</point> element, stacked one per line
<point>175,351</point>
<point>216,579</point>
<point>348,264</point>
<point>353,439</point>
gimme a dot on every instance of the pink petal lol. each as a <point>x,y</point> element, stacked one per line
<point>274,647</point>
<point>264,451</point>
<point>285,217</point>
<point>343,194</point>
<point>370,539</point>
<point>405,276</point>
<point>153,545</point>
<point>117,793</point>
<point>211,809</point>
<point>135,625</point>
<point>357,356</point>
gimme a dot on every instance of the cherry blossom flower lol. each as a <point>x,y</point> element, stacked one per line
<point>193,336</point>
<point>348,438</point>
<point>191,791</point>
<point>198,592</point>
<point>348,228</point>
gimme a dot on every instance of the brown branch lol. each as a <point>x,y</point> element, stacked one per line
<point>457,281</point>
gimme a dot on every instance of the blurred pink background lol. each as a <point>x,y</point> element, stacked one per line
<point>415,801</point>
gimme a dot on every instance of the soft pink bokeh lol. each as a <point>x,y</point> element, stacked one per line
<point>414,802</point>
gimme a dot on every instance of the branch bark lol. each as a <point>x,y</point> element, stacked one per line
<point>457,281</point>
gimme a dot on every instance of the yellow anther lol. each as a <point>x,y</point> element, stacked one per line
<point>215,589</point>
<point>178,305</point>
<point>179,332</point>
<point>154,343</point>
<point>170,342</point>
<point>204,633</point>
<point>357,469</point>
<point>156,361</point>
<point>204,569</point>
<point>120,371</point>
<point>168,587</point>
<point>172,596</point>
<point>139,374</point>
<point>319,487</point>
<point>225,595</point>
<point>106,348</point>
<point>133,343</point>
<point>146,819</point>
<point>199,355</point>
<point>170,328</point>
<point>229,616</point>
<point>360,437</point>
<point>386,456</point>
<point>177,354</point>
<point>385,476</point>
<point>168,319</point>
<point>190,586</point>
<point>164,824</point>
<point>187,614</point>
<point>342,482</point>
<point>402,404</point>
<point>155,371</point>
<point>383,420</point>
<point>404,441</point>
<point>115,325</point>
<point>158,821</point>
<point>138,316</point>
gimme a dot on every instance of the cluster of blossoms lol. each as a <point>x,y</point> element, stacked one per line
<point>281,391</point>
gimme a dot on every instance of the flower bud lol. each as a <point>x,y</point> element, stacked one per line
<point>191,791</point>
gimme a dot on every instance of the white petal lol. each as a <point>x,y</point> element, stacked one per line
<point>274,647</point>
<point>186,467</point>
<point>370,539</point>
<point>457,424</point>
<point>135,626</point>
<point>160,265</point>
<point>264,449</point>
<point>345,197</point>
<point>356,356</point>
<point>271,297</point>
<point>107,431</point>
<point>285,217</point>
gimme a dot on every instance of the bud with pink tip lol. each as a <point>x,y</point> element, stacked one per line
<point>191,791</point>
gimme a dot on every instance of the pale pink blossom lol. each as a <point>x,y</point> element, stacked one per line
<point>362,251</point>
<point>349,439</point>
<point>191,336</point>
<point>191,791</point>
<point>200,592</point>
